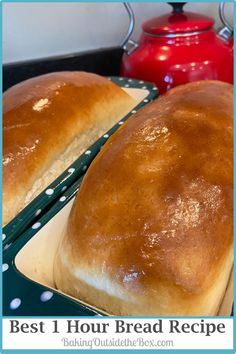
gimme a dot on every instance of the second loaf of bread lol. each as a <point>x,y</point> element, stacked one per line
<point>151,230</point>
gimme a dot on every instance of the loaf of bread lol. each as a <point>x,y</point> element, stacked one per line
<point>151,229</point>
<point>48,121</point>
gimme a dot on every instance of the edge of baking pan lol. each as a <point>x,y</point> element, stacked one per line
<point>17,287</point>
<point>31,213</point>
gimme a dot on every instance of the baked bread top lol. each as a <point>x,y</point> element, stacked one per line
<point>48,121</point>
<point>151,229</point>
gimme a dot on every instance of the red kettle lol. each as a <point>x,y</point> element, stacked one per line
<point>178,48</point>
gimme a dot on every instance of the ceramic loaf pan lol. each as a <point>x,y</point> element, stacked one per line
<point>144,92</point>
<point>29,289</point>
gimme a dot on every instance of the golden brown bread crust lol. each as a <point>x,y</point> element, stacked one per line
<point>152,221</point>
<point>41,118</point>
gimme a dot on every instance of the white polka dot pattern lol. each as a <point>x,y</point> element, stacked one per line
<point>7,246</point>
<point>62,199</point>
<point>5,267</point>
<point>38,212</point>
<point>36,225</point>
<point>46,296</point>
<point>15,303</point>
<point>49,191</point>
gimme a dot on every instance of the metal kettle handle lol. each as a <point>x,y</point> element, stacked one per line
<point>227,31</point>
<point>128,44</point>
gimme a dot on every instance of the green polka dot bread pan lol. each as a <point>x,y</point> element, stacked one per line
<point>28,267</point>
<point>143,92</point>
<point>28,285</point>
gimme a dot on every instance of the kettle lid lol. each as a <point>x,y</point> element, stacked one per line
<point>177,22</point>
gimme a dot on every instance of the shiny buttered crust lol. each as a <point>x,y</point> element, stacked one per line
<point>151,229</point>
<point>48,121</point>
